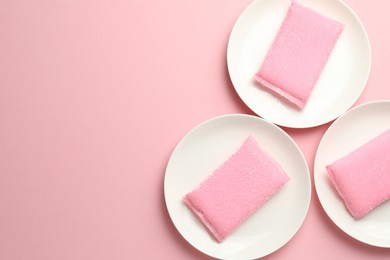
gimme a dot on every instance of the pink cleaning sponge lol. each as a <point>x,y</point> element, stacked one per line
<point>298,54</point>
<point>362,178</point>
<point>236,189</point>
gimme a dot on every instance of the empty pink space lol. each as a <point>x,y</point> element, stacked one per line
<point>94,96</point>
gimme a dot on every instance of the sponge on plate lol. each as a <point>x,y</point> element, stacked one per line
<point>362,178</point>
<point>236,189</point>
<point>299,54</point>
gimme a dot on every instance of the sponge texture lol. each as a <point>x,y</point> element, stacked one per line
<point>298,54</point>
<point>236,189</point>
<point>362,178</point>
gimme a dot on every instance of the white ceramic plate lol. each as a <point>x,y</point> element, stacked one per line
<point>347,133</point>
<point>207,146</point>
<point>340,84</point>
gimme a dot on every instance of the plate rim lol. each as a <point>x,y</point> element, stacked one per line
<point>316,177</point>
<point>276,128</point>
<point>302,125</point>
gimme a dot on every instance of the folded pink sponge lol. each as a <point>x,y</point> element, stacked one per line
<point>362,178</point>
<point>299,54</point>
<point>236,189</point>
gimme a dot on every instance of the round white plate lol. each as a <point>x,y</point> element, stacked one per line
<point>340,84</point>
<point>347,133</point>
<point>207,146</point>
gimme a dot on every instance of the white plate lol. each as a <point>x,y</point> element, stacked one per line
<point>202,150</point>
<point>339,85</point>
<point>347,133</point>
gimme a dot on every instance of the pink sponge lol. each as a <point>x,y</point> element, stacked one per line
<point>362,178</point>
<point>236,189</point>
<point>298,54</point>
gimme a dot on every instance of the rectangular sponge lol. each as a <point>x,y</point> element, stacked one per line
<point>298,54</point>
<point>362,178</point>
<point>236,189</point>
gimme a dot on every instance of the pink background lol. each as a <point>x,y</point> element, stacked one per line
<point>94,96</point>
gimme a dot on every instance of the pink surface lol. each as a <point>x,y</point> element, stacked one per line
<point>362,178</point>
<point>299,54</point>
<point>94,96</point>
<point>250,175</point>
